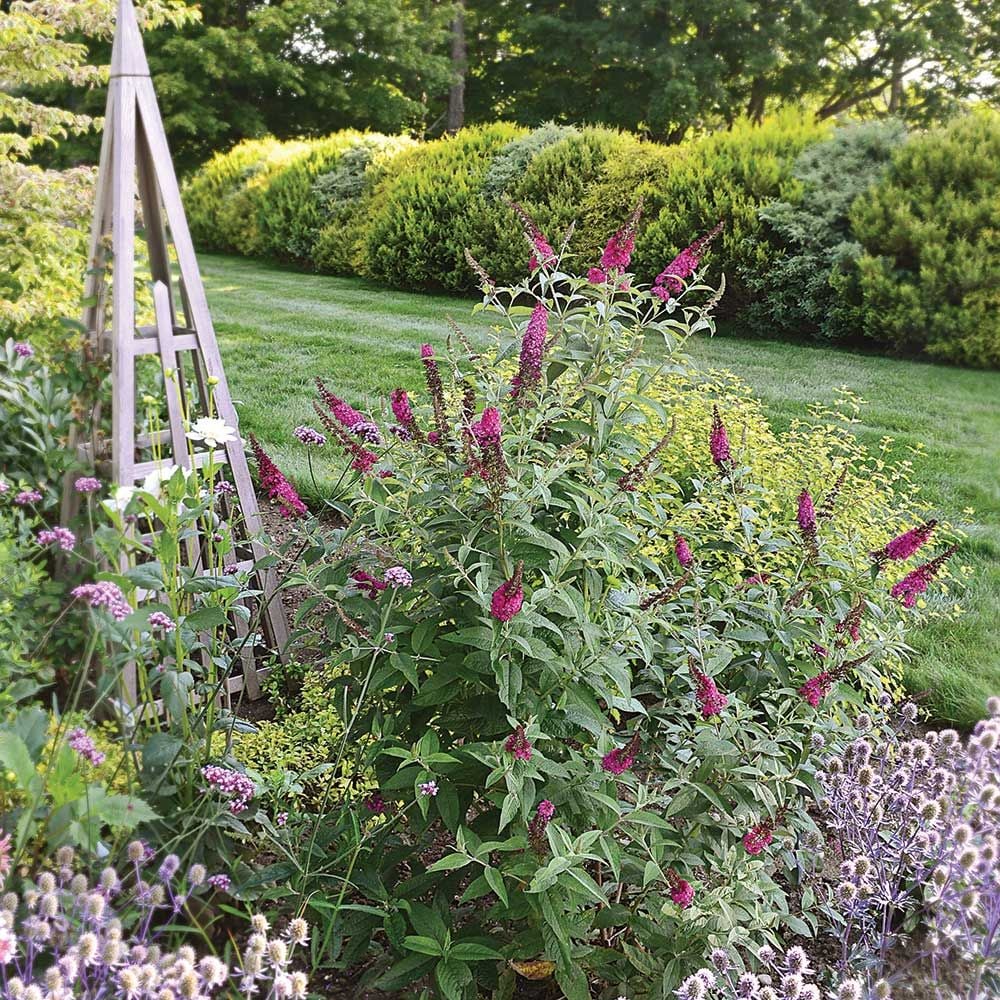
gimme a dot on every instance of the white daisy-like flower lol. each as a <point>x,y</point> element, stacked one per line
<point>120,498</point>
<point>213,431</point>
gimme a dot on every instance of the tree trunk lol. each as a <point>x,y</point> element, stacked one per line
<point>758,96</point>
<point>456,96</point>
<point>896,87</point>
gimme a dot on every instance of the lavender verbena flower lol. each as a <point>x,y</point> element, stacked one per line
<point>508,598</point>
<point>275,485</point>
<point>220,883</point>
<point>711,701</point>
<point>23,349</point>
<point>62,537</point>
<point>529,373</point>
<point>916,583</point>
<point>310,436</point>
<point>80,742</point>
<point>718,442</point>
<point>368,431</point>
<point>281,819</point>
<point>26,497</point>
<point>104,594</point>
<point>235,785</point>
<point>905,545</point>
<point>67,938</point>
<point>87,484</point>
<point>518,745</point>
<point>428,788</point>
<point>162,621</point>
<point>398,576</point>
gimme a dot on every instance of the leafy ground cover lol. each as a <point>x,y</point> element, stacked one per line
<point>280,328</point>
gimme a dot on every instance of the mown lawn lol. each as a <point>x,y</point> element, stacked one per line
<point>280,328</point>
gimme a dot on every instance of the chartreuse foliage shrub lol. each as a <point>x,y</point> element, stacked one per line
<point>687,189</point>
<point>593,644</point>
<point>511,162</point>
<point>930,272</point>
<point>425,213</point>
<point>220,198</point>
<point>811,287</point>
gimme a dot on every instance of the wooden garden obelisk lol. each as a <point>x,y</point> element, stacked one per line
<point>136,173</point>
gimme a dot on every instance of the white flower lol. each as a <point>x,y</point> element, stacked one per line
<point>120,498</point>
<point>153,483</point>
<point>213,431</point>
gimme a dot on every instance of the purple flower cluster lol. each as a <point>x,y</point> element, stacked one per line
<point>104,594</point>
<point>233,784</point>
<point>398,576</point>
<point>310,436</point>
<point>87,484</point>
<point>711,701</point>
<point>23,350</point>
<point>60,536</point>
<point>80,742</point>
<point>275,485</point>
<point>160,620</point>
<point>529,372</point>
<point>26,497</point>
<point>518,745</point>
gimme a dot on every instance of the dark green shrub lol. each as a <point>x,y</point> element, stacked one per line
<point>930,271</point>
<point>344,195</point>
<point>810,289</point>
<point>426,212</point>
<point>688,188</point>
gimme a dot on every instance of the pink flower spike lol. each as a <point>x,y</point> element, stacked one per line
<point>532,348</point>
<point>710,699</point>
<point>916,583</point>
<point>718,441</point>
<point>508,597</point>
<point>683,551</point>
<point>536,828</point>
<point>618,251</point>
<point>518,745</point>
<point>486,429</point>
<point>596,276</point>
<point>621,759</point>
<point>905,545</point>
<point>275,485</point>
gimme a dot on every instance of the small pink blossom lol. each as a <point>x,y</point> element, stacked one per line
<point>398,576</point>
<point>757,838</point>
<point>87,484</point>
<point>718,441</point>
<point>62,537</point>
<point>429,788</point>
<point>159,620</point>
<point>220,883</point>
<point>23,350</point>
<point>816,688</point>
<point>281,819</point>
<point>518,745</point>
<point>26,497</point>
<point>309,435</point>
<point>508,597</point>
<point>233,784</point>
<point>710,699</point>
<point>683,552</point>
<point>104,594</point>
<point>80,742</point>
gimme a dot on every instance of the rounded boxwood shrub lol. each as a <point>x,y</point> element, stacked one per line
<point>687,189</point>
<point>811,287</point>
<point>425,213</point>
<point>930,271</point>
<point>213,196</point>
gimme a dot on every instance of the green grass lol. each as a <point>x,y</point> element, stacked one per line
<point>280,328</point>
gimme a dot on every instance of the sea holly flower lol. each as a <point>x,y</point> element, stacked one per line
<point>508,597</point>
<point>518,745</point>
<point>621,759</point>
<point>718,441</point>
<point>529,372</point>
<point>104,594</point>
<point>275,485</point>
<point>711,701</point>
<point>62,537</point>
<point>213,431</point>
<point>905,545</point>
<point>83,745</point>
<point>916,583</point>
<point>87,484</point>
<point>670,281</point>
<point>683,551</point>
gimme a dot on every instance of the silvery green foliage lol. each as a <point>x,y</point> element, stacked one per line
<point>810,289</point>
<point>914,825</point>
<point>65,938</point>
<point>511,162</point>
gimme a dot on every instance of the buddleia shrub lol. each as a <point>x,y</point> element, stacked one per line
<point>345,198</point>
<point>289,211</point>
<point>424,214</point>
<point>584,725</point>
<point>810,288</point>
<point>930,230</point>
<point>215,199</point>
<point>687,189</point>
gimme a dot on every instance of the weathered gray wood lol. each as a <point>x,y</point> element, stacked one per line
<point>135,162</point>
